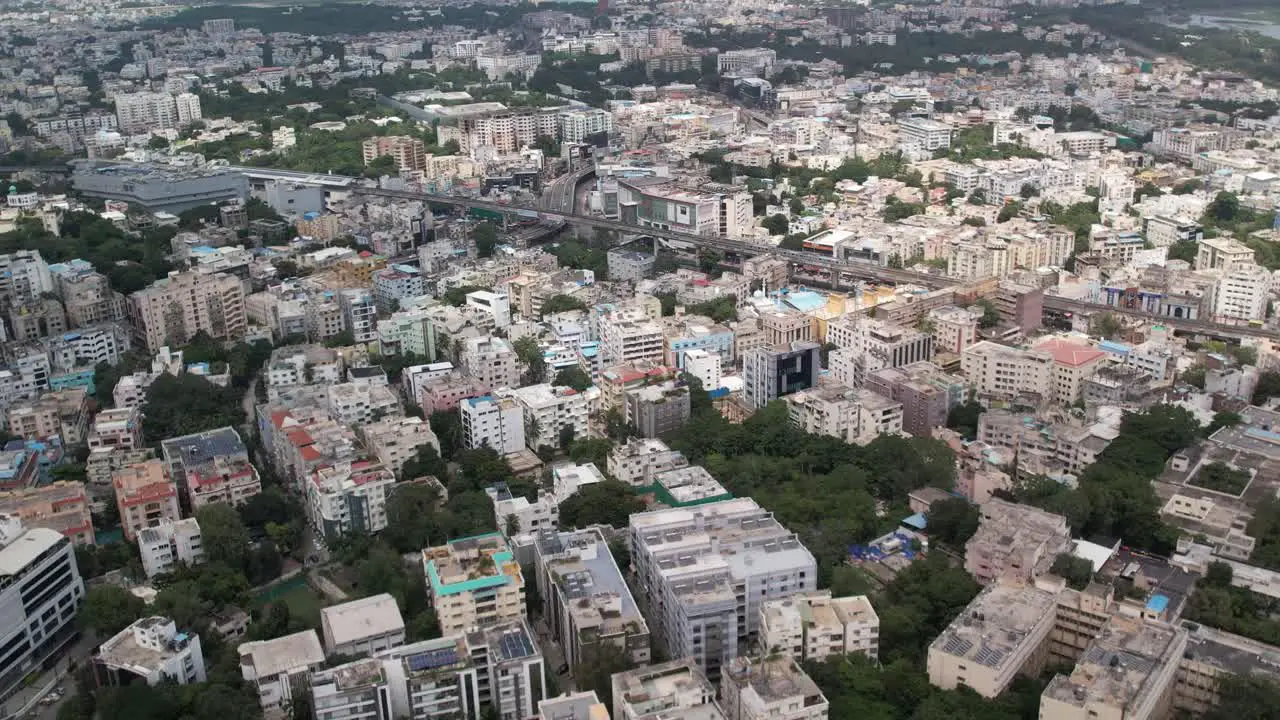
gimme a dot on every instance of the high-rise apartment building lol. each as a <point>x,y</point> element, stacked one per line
<point>172,310</point>
<point>705,570</point>
<point>409,153</point>
<point>814,626</point>
<point>474,581</point>
<point>496,423</point>
<point>143,112</point>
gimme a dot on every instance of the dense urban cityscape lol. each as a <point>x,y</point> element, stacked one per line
<point>662,360</point>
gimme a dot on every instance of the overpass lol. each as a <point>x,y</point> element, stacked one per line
<point>1203,327</point>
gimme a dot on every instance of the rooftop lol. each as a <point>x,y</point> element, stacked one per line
<point>1121,667</point>
<point>995,623</point>
<point>773,679</point>
<point>359,619</point>
<point>288,654</point>
<point>471,563</point>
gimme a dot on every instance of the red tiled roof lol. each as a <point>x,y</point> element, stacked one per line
<point>1070,353</point>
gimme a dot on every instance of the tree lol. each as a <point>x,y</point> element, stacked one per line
<point>776,224</point>
<point>1254,697</point>
<point>573,377</point>
<point>709,260</point>
<point>108,609</point>
<point>1106,325</point>
<point>974,222</point>
<point>1077,571</point>
<point>530,353</point>
<point>796,206</point>
<point>953,521</point>
<point>223,535</point>
<point>485,236</point>
<point>590,450</point>
<point>562,303</point>
<point>1185,250</point>
<point>187,404</point>
<point>597,665</point>
<point>604,503</point>
<point>1224,208</point>
<point>426,461</point>
<point>1218,574</point>
<point>158,143</point>
<point>990,315</point>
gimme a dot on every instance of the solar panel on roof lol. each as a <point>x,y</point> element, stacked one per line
<point>957,646</point>
<point>432,659</point>
<point>516,645</point>
<point>989,656</point>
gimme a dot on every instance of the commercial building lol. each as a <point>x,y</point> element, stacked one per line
<point>157,189</point>
<point>1020,305</point>
<point>586,602</point>
<point>212,467</point>
<point>171,311</point>
<point>771,373</point>
<point>169,546</point>
<point>40,593</point>
<point>152,650</point>
<point>770,687</point>
<point>1002,633</point>
<point>1015,542</point>
<point>146,497</point>
<point>277,667</point>
<point>814,626</point>
<point>705,570</point>
<point>656,410</point>
<point>361,627</point>
<point>675,689</point>
<point>474,581</point>
<point>496,423</point>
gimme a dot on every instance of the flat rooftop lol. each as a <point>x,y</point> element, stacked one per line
<point>773,679</point>
<point>359,619</point>
<point>1121,666</point>
<point>997,621</point>
<point>288,654</point>
<point>471,563</point>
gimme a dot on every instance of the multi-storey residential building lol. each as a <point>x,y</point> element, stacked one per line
<point>854,416</point>
<point>173,310</point>
<point>1001,634</point>
<point>637,461</point>
<point>1129,671</point>
<point>922,134</point>
<point>1020,305</point>
<point>770,373</point>
<point>576,125</point>
<point>703,365</point>
<point>408,153</point>
<point>276,668</point>
<point>1072,363</point>
<point>1163,231</point>
<point>358,403</point>
<point>143,112</point>
<point>170,545</point>
<point>770,687</point>
<point>517,515</point>
<point>348,497</point>
<point>152,650</point>
<point>395,440</point>
<point>474,581</point>
<point>496,423</point>
<point>456,676</point>
<point>62,506</point>
<point>874,345</point>
<point>62,413</point>
<point>926,393</point>
<point>366,626</point>
<point>359,314</point>
<point>1242,293</point>
<point>24,276</point>
<point>1015,542</point>
<point>496,305</point>
<point>656,410</point>
<point>814,626</point>
<point>1222,254</point>
<point>1005,372</point>
<point>116,428</point>
<point>146,497</point>
<point>954,329</point>
<point>396,283</point>
<point>42,591</point>
<point>37,319</point>
<point>408,332</point>
<point>296,365</point>
<point>705,570</point>
<point>550,410</point>
<point>211,467</point>
<point>674,689</point>
<point>586,601</point>
<point>491,362</point>
<point>628,336</point>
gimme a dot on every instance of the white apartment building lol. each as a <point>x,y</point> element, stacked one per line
<point>497,305</point>
<point>40,595</point>
<point>357,403</point>
<point>1007,372</point>
<point>474,581</point>
<point>674,689</point>
<point>638,460</point>
<point>1001,634</point>
<point>770,688</point>
<point>170,545</point>
<point>456,676</point>
<point>1222,254</point>
<point>497,67</point>
<point>705,570</point>
<point>302,365</point>
<point>575,125</point>
<point>142,112</point>
<point>275,667</point>
<point>152,649</point>
<point>1241,293</point>
<point>395,440</point>
<point>922,134</point>
<point>814,626</point>
<point>492,422</point>
<point>629,336</point>
<point>547,410</point>
<point>366,626</point>
<point>491,362</point>
<point>24,275</point>
<point>174,309</point>
<point>348,497</point>
<point>705,366</point>
<point>586,601</point>
<point>516,516</point>
<point>359,314</point>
